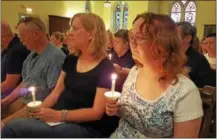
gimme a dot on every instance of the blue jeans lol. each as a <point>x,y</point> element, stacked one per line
<point>32,128</point>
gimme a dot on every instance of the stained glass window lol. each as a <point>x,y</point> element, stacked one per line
<point>117,17</point>
<point>190,12</point>
<point>87,6</point>
<point>125,16</point>
<point>176,12</point>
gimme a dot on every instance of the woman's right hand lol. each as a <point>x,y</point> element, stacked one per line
<point>111,107</point>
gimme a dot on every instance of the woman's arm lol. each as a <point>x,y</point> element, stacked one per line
<point>54,95</point>
<point>188,129</point>
<point>89,114</point>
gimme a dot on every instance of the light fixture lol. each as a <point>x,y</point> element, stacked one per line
<point>29,10</point>
<point>122,3</point>
<point>107,4</point>
<point>69,13</point>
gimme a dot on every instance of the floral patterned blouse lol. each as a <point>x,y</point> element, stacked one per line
<point>145,118</point>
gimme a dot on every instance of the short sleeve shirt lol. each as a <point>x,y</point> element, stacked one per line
<point>80,90</point>
<point>42,71</point>
<point>12,58</point>
<point>141,118</point>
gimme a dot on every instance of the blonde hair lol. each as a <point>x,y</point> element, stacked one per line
<point>93,23</point>
<point>58,35</point>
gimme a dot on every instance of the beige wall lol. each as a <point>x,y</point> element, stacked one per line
<point>154,6</point>
<point>10,10</point>
<point>206,13</point>
<point>205,10</point>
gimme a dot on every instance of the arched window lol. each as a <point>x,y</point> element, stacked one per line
<point>176,12</point>
<point>190,12</point>
<point>125,16</point>
<point>117,17</point>
<point>87,6</point>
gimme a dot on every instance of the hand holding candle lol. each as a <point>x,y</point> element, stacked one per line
<point>33,105</point>
<point>111,98</point>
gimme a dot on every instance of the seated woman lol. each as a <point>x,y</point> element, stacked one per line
<point>122,57</point>
<point>57,39</point>
<point>78,98</point>
<point>157,101</point>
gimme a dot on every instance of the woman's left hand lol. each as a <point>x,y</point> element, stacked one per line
<point>47,115</point>
<point>117,68</point>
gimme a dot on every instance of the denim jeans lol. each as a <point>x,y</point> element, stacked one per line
<point>33,128</point>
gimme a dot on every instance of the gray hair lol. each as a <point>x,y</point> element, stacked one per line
<point>188,29</point>
<point>33,23</point>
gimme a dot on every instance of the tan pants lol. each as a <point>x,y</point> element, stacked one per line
<point>15,110</point>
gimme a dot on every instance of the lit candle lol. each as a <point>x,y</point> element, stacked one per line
<point>114,77</point>
<point>32,89</point>
<point>110,56</point>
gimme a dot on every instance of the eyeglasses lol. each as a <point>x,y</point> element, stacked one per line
<point>137,38</point>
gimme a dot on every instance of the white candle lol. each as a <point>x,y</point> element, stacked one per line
<point>32,89</point>
<point>114,77</point>
<point>110,56</point>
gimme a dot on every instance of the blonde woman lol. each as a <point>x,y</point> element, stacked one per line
<point>57,38</point>
<point>78,98</point>
<point>157,101</point>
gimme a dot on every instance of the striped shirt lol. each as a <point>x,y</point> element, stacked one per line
<point>42,72</point>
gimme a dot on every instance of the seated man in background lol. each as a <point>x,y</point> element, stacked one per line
<point>198,65</point>
<point>12,57</point>
<point>57,39</point>
<point>40,69</point>
<point>210,46</point>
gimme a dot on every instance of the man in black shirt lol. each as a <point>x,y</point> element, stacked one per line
<point>198,65</point>
<point>12,57</point>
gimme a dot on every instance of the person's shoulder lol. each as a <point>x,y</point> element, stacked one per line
<point>198,55</point>
<point>71,58</point>
<point>105,62</point>
<point>55,52</point>
<point>187,85</point>
<point>133,70</point>
<point>19,47</point>
<point>105,65</point>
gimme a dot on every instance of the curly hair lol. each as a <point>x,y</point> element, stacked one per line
<point>165,51</point>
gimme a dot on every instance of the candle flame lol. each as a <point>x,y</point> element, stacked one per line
<point>114,76</point>
<point>110,56</point>
<point>32,89</point>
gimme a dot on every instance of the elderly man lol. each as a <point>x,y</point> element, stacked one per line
<point>40,69</point>
<point>12,57</point>
<point>198,65</point>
